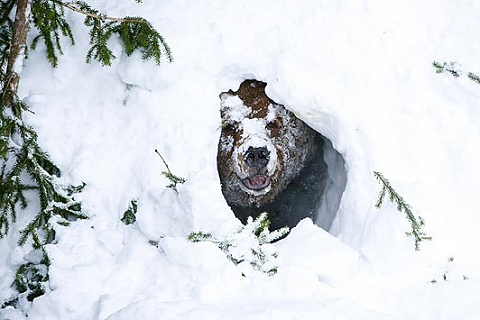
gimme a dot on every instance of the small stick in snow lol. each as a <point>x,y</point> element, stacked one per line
<point>164,162</point>
<point>169,175</point>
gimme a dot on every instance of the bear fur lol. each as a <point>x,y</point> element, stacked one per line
<point>268,160</point>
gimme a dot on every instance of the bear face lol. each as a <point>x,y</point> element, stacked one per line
<point>263,149</point>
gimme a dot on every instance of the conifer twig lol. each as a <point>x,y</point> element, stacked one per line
<point>259,255</point>
<point>169,175</point>
<point>449,67</point>
<point>402,206</point>
<point>454,71</point>
<point>472,76</point>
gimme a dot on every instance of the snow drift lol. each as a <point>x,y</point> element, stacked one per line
<point>358,73</point>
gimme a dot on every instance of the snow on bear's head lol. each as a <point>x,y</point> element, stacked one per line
<point>262,146</point>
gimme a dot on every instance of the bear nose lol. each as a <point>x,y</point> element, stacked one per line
<point>257,157</point>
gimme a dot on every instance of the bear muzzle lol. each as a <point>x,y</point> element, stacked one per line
<point>257,159</point>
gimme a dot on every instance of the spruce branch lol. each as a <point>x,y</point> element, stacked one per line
<point>135,33</point>
<point>259,253</point>
<point>449,67</point>
<point>130,215</point>
<point>169,175</point>
<point>31,278</point>
<point>472,76</point>
<point>402,206</point>
<point>199,236</point>
<point>49,20</point>
<point>20,154</point>
<point>48,17</point>
<point>24,166</point>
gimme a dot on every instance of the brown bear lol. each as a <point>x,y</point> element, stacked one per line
<point>268,159</point>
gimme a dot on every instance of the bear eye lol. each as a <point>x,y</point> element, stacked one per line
<point>228,128</point>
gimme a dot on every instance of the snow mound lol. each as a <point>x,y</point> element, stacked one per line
<point>359,73</point>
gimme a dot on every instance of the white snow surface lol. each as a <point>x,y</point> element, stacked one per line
<point>359,72</point>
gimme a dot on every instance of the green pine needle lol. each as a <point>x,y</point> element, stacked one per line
<point>199,236</point>
<point>49,19</point>
<point>451,68</point>
<point>31,278</point>
<point>257,256</point>
<point>402,206</point>
<point>169,175</point>
<point>135,33</point>
<point>24,166</point>
<point>173,179</point>
<point>446,67</point>
<point>472,76</point>
<point>129,216</point>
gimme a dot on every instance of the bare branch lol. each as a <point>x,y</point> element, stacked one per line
<point>73,7</point>
<point>164,162</point>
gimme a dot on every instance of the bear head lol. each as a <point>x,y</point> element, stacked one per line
<point>262,148</point>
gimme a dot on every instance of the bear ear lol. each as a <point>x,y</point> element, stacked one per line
<point>224,95</point>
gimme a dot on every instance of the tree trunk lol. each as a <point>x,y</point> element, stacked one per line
<point>17,49</point>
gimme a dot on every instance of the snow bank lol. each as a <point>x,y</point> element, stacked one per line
<point>359,73</point>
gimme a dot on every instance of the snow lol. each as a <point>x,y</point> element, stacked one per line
<point>359,73</point>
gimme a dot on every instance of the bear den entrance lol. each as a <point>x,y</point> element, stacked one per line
<point>308,180</point>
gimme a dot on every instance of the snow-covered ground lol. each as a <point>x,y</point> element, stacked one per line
<point>358,72</point>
